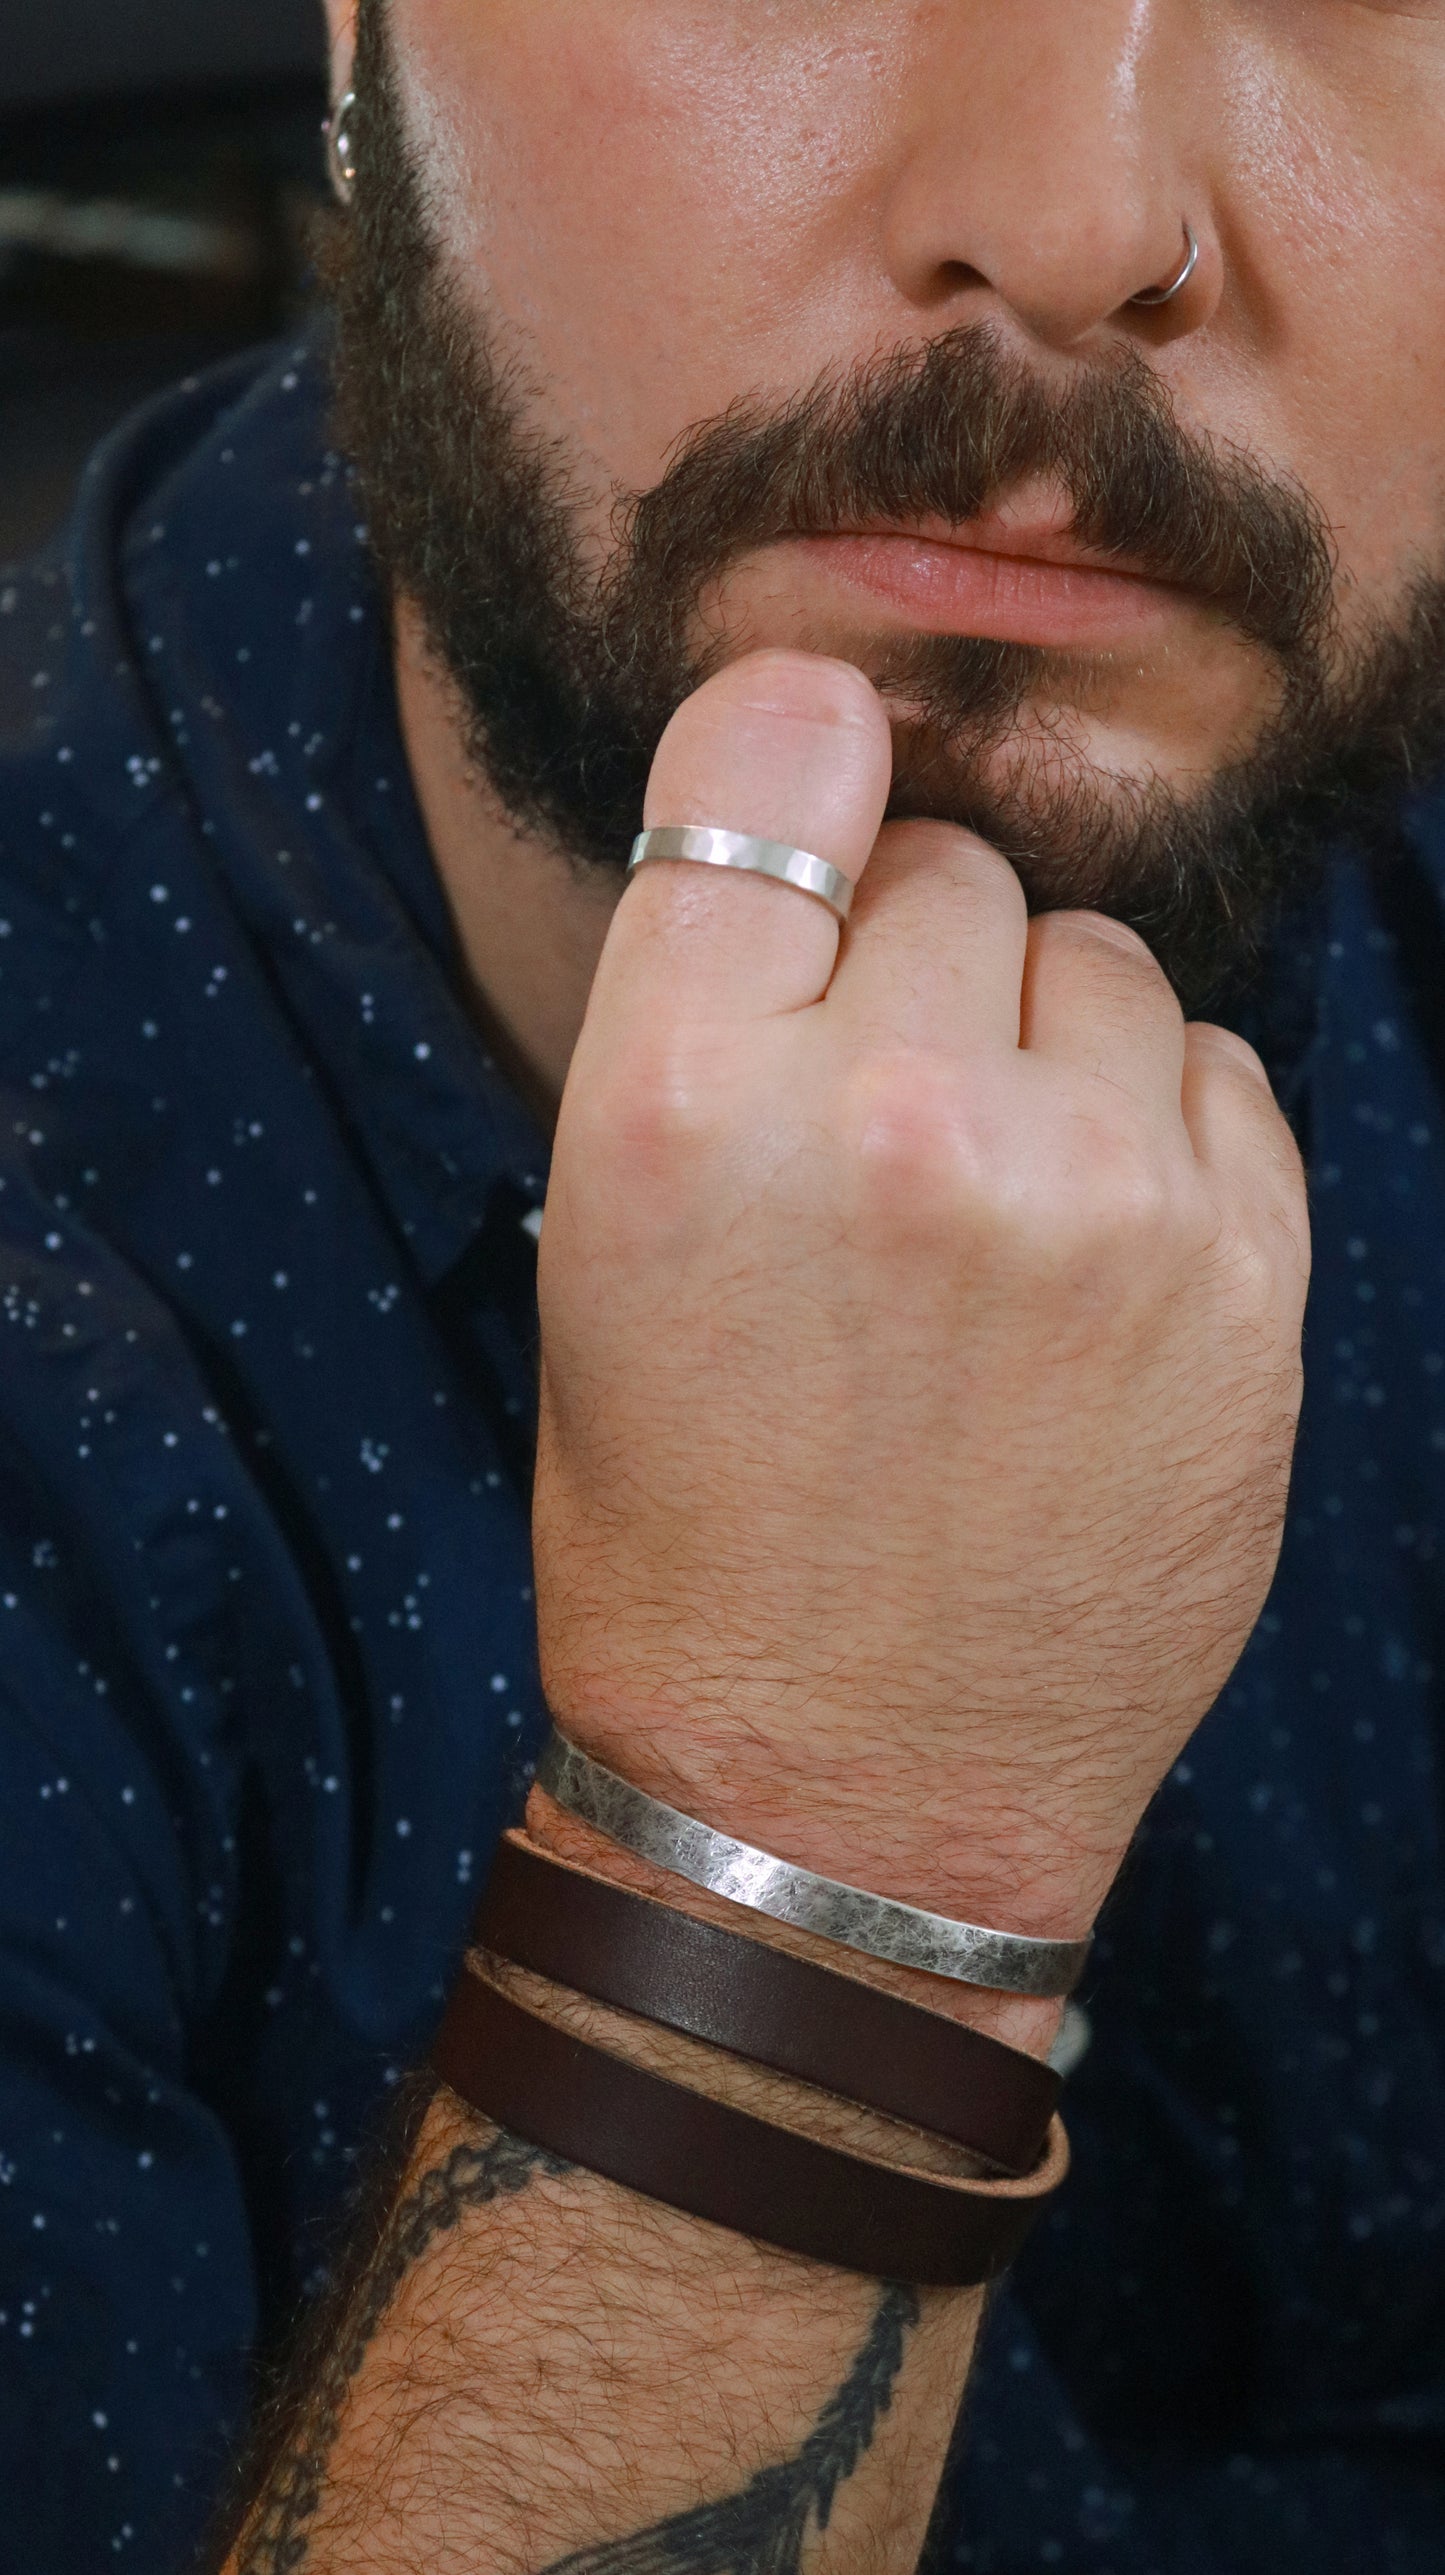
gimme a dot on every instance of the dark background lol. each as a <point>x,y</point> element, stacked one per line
<point>158,163</point>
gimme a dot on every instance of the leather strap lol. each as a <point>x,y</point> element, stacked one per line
<point>756,2178</point>
<point>825,2027</point>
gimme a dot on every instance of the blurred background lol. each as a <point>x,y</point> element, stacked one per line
<point>158,161</point>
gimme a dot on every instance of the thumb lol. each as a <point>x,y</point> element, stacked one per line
<point>788,746</point>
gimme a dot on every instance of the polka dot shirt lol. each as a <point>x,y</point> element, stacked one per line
<point>267,1670</point>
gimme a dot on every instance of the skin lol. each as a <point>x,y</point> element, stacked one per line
<point>840,177</point>
<point>921,1326</point>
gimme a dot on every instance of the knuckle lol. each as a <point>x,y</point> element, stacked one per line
<point>655,1104</point>
<point>939,850</point>
<point>1216,1048</point>
<point>1116,936</point>
<point>940,1161</point>
<point>1269,1266</point>
<point>1092,943</point>
<point>1121,1212</point>
<point>1249,1271</point>
<point>935,878</point>
<point>915,1145</point>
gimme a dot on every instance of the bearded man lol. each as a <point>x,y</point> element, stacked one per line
<point>963,480</point>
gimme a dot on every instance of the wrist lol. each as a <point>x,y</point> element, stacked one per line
<point>966,1818</point>
<point>1018,2020</point>
<point>738,2082</point>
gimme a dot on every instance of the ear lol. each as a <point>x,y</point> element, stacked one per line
<point>341,33</point>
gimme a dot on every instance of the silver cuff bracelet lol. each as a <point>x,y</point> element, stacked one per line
<point>1005,1961</point>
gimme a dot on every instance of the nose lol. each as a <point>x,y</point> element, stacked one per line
<point>1049,159</point>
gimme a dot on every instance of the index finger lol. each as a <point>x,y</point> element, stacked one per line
<point>787,746</point>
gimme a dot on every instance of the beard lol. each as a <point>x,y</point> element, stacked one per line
<point>565,678</point>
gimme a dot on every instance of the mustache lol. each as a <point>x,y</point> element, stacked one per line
<point>948,432</point>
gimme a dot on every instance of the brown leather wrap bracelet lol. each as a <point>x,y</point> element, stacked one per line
<point>825,2027</point>
<point>753,2176</point>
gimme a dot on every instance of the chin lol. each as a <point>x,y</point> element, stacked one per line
<point>1028,770</point>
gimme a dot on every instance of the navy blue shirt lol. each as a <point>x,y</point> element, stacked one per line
<point>267,1676</point>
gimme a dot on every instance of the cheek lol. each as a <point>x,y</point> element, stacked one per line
<point>1336,232</point>
<point>642,193</point>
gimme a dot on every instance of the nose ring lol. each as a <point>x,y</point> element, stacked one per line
<point>1152,296</point>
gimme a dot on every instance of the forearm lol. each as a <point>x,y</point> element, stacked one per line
<point>534,2367</point>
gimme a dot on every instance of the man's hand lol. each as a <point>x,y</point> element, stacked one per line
<point>921,1327</point>
<point>921,1348</point>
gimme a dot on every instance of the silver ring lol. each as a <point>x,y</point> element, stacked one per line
<point>775,858</point>
<point>1151,296</point>
<point>1005,1961</point>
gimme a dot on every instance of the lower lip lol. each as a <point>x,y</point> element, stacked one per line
<point>962,590</point>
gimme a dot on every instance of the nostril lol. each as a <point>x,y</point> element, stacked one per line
<point>957,277</point>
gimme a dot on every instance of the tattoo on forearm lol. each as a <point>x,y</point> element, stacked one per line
<point>762,2530</point>
<point>472,2176</point>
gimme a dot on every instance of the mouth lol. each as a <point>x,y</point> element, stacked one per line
<point>1011,577</point>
